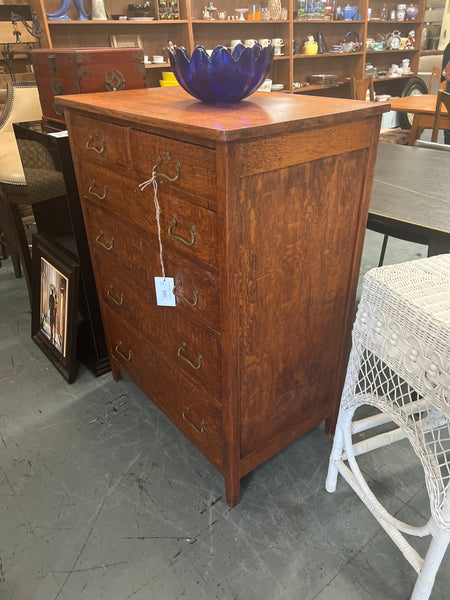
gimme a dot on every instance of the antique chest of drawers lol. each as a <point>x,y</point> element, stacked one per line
<point>263,206</point>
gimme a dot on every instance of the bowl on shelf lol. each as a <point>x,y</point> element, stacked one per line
<point>225,76</point>
<point>136,11</point>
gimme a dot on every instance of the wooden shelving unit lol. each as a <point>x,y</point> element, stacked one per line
<point>192,30</point>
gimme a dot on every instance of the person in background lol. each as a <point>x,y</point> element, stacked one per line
<point>446,77</point>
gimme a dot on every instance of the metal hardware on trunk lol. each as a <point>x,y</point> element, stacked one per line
<point>195,292</point>
<point>180,239</point>
<point>189,422</point>
<point>108,246</point>
<point>114,81</point>
<point>186,360</point>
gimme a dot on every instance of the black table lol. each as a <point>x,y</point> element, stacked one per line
<point>59,219</point>
<point>411,196</point>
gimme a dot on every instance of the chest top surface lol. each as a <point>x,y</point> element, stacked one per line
<point>260,115</point>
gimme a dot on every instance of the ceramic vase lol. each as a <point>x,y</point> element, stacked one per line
<point>411,12</point>
<point>61,13</point>
<point>274,10</point>
<point>80,8</point>
<point>98,11</point>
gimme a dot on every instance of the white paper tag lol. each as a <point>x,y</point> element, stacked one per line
<point>164,291</point>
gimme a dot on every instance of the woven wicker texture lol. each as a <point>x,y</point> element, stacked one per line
<point>400,364</point>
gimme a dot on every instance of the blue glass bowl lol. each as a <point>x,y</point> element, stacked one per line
<point>224,76</point>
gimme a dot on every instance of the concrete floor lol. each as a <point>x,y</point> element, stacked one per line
<point>102,498</point>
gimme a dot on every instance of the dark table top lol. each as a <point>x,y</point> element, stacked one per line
<point>411,185</point>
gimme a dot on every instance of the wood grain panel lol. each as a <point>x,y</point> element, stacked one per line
<point>99,141</point>
<point>295,260</point>
<point>137,357</point>
<point>139,255</point>
<point>271,153</point>
<point>123,197</point>
<point>198,165</point>
<point>165,327</point>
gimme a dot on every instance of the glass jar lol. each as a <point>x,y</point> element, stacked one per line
<point>401,11</point>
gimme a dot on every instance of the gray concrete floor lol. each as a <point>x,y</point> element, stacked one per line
<point>102,498</point>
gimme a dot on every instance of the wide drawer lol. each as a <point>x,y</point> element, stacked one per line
<point>99,141</point>
<point>185,227</point>
<point>193,411</point>
<point>194,167</point>
<point>192,347</point>
<point>197,289</point>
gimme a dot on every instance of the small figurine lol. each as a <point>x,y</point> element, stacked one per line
<point>411,39</point>
<point>310,46</point>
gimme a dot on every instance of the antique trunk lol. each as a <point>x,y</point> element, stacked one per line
<point>78,71</point>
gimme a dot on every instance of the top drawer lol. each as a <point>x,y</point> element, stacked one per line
<point>191,168</point>
<point>100,141</point>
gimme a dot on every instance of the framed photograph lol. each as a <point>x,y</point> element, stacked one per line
<point>126,41</point>
<point>54,310</point>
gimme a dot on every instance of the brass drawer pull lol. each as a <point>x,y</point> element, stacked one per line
<point>163,175</point>
<point>125,358</point>
<point>110,295</point>
<point>98,240</point>
<point>194,303</point>
<point>180,239</point>
<point>90,145</point>
<point>186,360</point>
<point>189,422</point>
<point>91,191</point>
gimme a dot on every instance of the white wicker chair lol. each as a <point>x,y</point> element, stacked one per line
<point>400,364</point>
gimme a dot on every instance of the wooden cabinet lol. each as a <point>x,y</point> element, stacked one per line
<point>292,67</point>
<point>261,227</point>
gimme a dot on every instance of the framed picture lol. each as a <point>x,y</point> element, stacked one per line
<point>54,310</point>
<point>126,41</point>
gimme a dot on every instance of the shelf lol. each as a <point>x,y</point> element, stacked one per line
<point>330,55</point>
<point>114,22</point>
<point>193,30</point>
<point>400,51</point>
<point>157,65</point>
<point>238,22</point>
<point>330,21</point>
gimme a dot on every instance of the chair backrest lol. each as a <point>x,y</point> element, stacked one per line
<point>443,98</point>
<point>436,74</point>
<point>359,87</point>
<point>22,104</point>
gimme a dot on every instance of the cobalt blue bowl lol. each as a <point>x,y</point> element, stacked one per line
<point>224,76</point>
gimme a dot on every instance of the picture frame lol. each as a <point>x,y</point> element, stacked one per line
<point>54,310</point>
<point>126,41</point>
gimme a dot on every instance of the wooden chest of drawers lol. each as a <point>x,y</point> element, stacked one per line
<point>262,228</point>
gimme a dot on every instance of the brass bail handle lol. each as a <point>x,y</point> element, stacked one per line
<point>155,173</point>
<point>90,145</point>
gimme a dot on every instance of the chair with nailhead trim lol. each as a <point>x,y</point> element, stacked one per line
<point>400,365</point>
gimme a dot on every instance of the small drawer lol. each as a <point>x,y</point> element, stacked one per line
<point>112,240</point>
<point>193,411</point>
<point>193,167</point>
<point>185,227</point>
<point>99,141</point>
<point>192,347</point>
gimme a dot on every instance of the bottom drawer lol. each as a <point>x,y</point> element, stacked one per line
<point>194,412</point>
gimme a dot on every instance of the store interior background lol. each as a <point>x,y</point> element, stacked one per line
<point>102,497</point>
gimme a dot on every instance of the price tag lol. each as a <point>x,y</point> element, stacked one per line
<point>164,291</point>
